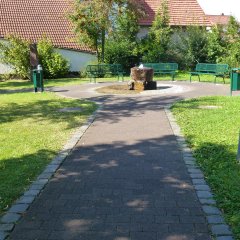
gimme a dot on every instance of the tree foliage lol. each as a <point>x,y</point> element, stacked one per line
<point>15,52</point>
<point>155,46</point>
<point>122,39</point>
<point>216,46</point>
<point>189,46</point>
<point>54,64</point>
<point>232,50</point>
<point>94,20</point>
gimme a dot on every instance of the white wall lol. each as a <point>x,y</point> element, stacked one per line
<point>143,32</point>
<point>5,69</point>
<point>78,60</point>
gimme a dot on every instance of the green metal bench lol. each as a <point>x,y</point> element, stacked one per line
<point>218,70</point>
<point>163,68</point>
<point>100,70</point>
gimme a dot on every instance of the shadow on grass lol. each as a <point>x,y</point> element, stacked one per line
<point>222,172</point>
<point>40,110</point>
<point>18,173</point>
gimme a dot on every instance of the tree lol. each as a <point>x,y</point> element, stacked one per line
<point>216,46</point>
<point>122,39</point>
<point>189,46</point>
<point>232,36</point>
<point>156,44</point>
<point>94,20</point>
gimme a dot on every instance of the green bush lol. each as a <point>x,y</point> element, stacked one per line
<point>119,52</point>
<point>15,52</point>
<point>54,65</point>
<point>189,47</point>
<point>155,45</point>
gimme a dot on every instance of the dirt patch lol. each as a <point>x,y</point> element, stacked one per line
<point>117,89</point>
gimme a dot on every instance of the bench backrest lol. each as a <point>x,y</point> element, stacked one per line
<point>212,68</point>
<point>105,68</point>
<point>162,66</point>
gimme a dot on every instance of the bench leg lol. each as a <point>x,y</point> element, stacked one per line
<point>199,78</point>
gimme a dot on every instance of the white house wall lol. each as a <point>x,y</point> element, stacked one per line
<point>143,32</point>
<point>5,69</point>
<point>78,60</point>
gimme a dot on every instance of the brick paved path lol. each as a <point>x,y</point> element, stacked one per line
<point>126,179</point>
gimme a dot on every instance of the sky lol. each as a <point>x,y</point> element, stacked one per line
<point>228,7</point>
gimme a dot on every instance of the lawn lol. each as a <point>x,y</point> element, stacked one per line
<point>24,84</point>
<point>212,133</point>
<point>32,131</point>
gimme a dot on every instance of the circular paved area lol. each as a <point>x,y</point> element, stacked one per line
<point>177,90</point>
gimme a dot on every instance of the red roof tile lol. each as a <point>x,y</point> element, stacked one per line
<point>31,19</point>
<point>182,13</point>
<point>219,19</point>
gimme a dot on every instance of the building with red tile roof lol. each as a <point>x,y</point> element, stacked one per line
<point>33,19</point>
<point>219,19</point>
<point>181,12</point>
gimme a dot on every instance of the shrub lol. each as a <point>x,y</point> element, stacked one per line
<point>16,52</point>
<point>119,52</point>
<point>54,65</point>
<point>189,47</point>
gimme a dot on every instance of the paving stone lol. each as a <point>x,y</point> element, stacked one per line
<point>3,235</point>
<point>26,200</point>
<point>167,219</point>
<point>215,219</point>
<point>32,193</point>
<point>10,218</point>
<point>51,168</point>
<point>225,238</point>
<point>36,187</point>
<point>196,171</point>
<point>181,228</point>
<point>18,208</point>
<point>220,229</point>
<point>45,175</point>
<point>198,181</point>
<point>204,187</point>
<point>6,227</point>
<point>143,235</point>
<point>204,194</point>
<point>192,219</point>
<point>41,181</point>
<point>210,210</point>
<point>207,201</point>
<point>190,158</point>
<point>190,163</point>
<point>196,175</point>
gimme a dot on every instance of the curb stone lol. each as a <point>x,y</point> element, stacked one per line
<point>219,229</point>
<point>15,212</point>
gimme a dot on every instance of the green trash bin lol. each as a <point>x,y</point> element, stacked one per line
<point>37,75</point>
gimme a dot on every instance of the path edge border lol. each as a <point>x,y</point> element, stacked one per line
<point>215,219</point>
<point>22,204</point>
